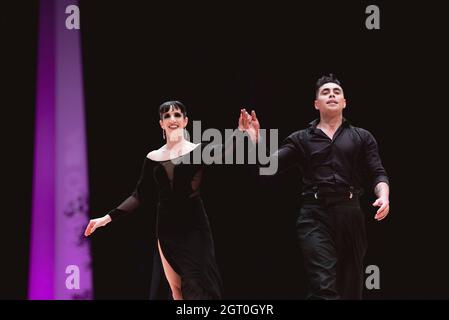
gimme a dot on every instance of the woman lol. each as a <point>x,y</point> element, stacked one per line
<point>183,233</point>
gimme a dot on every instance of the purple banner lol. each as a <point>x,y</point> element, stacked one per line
<point>72,248</point>
<point>64,197</point>
<point>42,237</point>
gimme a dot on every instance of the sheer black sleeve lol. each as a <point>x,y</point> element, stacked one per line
<point>139,195</point>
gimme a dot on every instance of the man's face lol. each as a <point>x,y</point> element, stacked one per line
<point>330,99</point>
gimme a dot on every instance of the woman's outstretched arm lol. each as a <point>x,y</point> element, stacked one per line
<point>133,202</point>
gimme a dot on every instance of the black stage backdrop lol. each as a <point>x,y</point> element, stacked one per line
<point>217,58</point>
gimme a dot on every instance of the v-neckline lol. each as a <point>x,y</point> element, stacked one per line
<point>327,136</point>
<point>335,133</point>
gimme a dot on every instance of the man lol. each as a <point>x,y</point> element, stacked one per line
<point>335,160</point>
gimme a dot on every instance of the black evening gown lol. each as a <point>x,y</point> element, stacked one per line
<point>182,225</point>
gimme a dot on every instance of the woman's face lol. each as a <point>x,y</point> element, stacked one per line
<point>173,122</point>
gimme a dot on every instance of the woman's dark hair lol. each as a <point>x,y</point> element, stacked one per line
<point>177,105</point>
<point>325,79</point>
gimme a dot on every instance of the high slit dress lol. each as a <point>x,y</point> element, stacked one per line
<point>182,225</point>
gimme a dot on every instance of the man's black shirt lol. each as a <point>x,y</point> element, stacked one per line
<point>346,161</point>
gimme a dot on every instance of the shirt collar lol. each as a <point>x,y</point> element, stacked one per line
<point>312,125</point>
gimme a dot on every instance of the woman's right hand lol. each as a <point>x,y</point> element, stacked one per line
<point>250,124</point>
<point>96,223</point>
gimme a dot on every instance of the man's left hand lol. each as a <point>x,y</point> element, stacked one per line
<point>384,205</point>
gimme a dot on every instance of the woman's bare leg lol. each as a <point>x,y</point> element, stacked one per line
<point>174,280</point>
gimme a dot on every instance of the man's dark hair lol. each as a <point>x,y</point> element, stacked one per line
<point>325,79</point>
